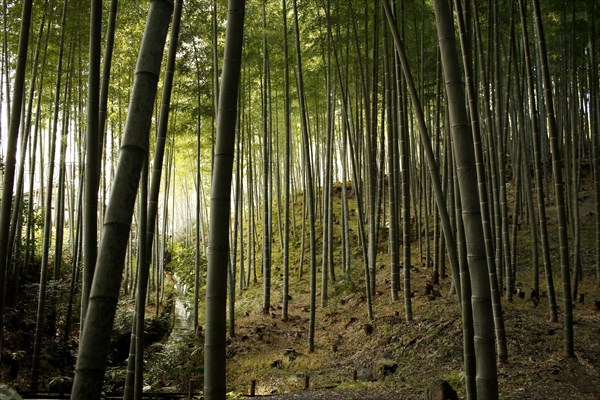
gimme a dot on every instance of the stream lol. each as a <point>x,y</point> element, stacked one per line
<point>178,359</point>
<point>183,318</point>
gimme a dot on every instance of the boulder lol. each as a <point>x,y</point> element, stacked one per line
<point>384,367</point>
<point>441,390</point>
<point>7,393</point>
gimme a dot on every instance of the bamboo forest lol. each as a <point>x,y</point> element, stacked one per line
<point>299,199</point>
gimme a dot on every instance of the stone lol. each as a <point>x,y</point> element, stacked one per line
<point>7,393</point>
<point>441,390</point>
<point>384,367</point>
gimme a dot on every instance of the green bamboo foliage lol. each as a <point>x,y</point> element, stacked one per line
<point>95,341</point>
<point>355,112</point>
<point>218,248</point>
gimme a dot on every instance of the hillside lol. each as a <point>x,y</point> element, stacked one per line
<point>274,353</point>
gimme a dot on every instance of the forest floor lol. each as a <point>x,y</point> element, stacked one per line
<point>275,354</point>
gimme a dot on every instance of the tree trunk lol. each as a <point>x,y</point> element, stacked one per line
<point>537,166</point>
<point>95,342</point>
<point>11,151</point>
<point>558,183</point>
<point>309,185</point>
<point>286,172</point>
<point>92,162</point>
<point>391,125</point>
<point>426,143</point>
<point>483,193</point>
<point>486,378</point>
<point>218,254</point>
<point>267,212</point>
<point>47,238</point>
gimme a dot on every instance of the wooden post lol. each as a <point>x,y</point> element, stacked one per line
<point>191,389</point>
<point>253,388</point>
<point>354,375</point>
<point>306,382</point>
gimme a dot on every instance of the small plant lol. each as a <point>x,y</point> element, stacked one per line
<point>60,384</point>
<point>456,380</point>
<point>235,395</point>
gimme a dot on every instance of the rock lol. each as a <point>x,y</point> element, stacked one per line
<point>7,393</point>
<point>384,366</point>
<point>441,390</point>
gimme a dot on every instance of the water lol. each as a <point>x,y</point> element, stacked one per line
<point>183,319</point>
